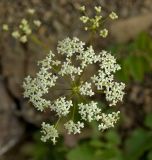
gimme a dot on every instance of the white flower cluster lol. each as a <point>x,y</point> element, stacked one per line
<point>23,31</point>
<point>68,69</point>
<point>90,111</point>
<point>108,63</point>
<point>69,47</point>
<point>108,120</point>
<point>49,132</point>
<point>114,92</point>
<point>96,23</point>
<point>25,27</point>
<point>105,79</point>
<point>88,57</point>
<point>74,127</point>
<point>62,106</point>
<point>76,59</point>
<point>35,88</point>
<point>85,89</point>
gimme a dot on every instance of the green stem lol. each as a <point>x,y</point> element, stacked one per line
<point>57,122</point>
<point>73,113</point>
<point>82,98</point>
<point>38,42</point>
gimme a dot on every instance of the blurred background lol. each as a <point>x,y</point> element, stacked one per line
<point>130,40</point>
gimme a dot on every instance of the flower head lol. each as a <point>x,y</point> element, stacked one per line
<point>95,23</point>
<point>75,58</point>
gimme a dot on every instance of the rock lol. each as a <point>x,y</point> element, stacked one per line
<point>28,112</point>
<point>127,29</point>
<point>10,128</point>
<point>13,68</point>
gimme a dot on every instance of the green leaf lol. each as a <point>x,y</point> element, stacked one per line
<point>113,137</point>
<point>131,47</point>
<point>123,74</point>
<point>116,48</point>
<point>148,120</point>
<point>136,67</point>
<point>143,41</point>
<point>109,154</point>
<point>96,143</point>
<point>139,142</point>
<point>82,152</point>
<point>150,155</point>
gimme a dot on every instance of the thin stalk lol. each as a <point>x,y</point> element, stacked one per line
<point>73,113</point>
<point>57,122</point>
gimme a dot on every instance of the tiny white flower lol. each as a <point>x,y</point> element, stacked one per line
<point>104,33</point>
<point>25,27</point>
<point>5,27</point>
<point>82,8</point>
<point>23,39</point>
<point>16,34</point>
<point>85,28</point>
<point>31,11</point>
<point>113,15</point>
<point>98,9</point>
<point>84,19</point>
<point>37,23</point>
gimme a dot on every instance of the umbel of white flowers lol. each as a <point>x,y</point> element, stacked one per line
<point>78,102</point>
